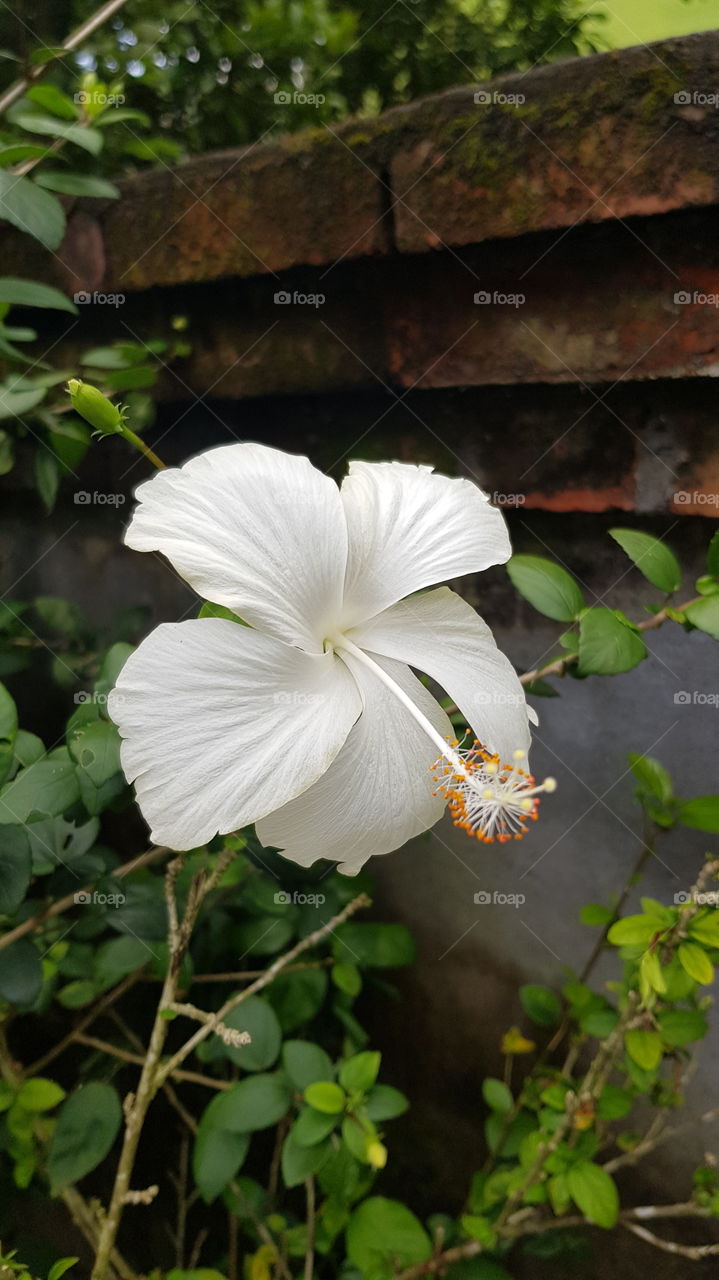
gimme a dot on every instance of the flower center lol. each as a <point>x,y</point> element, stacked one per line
<point>488,799</point>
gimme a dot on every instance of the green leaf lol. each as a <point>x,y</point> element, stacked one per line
<point>325,1096</point>
<point>257,1017</point>
<point>78,184</point>
<point>209,610</point>
<point>218,1153</point>
<point>15,868</point>
<point>678,1027</point>
<point>374,945</point>
<point>53,100</point>
<point>382,1231</point>
<point>25,151</point>
<point>8,732</point>
<point>299,1162</point>
<point>7,453</point>
<point>95,748</point>
<point>704,614</point>
<point>304,1063</point>
<point>86,1129</point>
<point>651,977</point>
<point>348,978</point>
<point>547,586</point>
<point>45,789</point>
<point>652,776</point>
<point>385,1103</point>
<point>701,813</point>
<point>47,477</point>
<point>255,1103</point>
<point>705,929</point>
<point>28,293</point>
<point>33,210</point>
<point>633,931</point>
<point>359,1073</point>
<point>69,440</point>
<point>297,997</point>
<point>607,646</point>
<point>644,1048</point>
<point>59,1268</point>
<point>599,1022</point>
<point>312,1126</point>
<point>540,1004</point>
<point>496,1095</point>
<point>594,1192</point>
<point>40,1095</point>
<point>20,973</point>
<point>118,957</point>
<point>651,556</point>
<point>82,136</point>
<point>13,404</point>
<point>695,961</point>
<point>479,1228</point>
<point>614,1103</point>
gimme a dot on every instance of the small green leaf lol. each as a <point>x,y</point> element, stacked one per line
<point>299,1163</point>
<point>595,913</point>
<point>496,1095</point>
<point>218,1154</point>
<point>713,555</point>
<point>704,614</point>
<point>705,929</point>
<point>29,293</point>
<point>20,973</point>
<point>644,1048</point>
<point>78,184</point>
<point>28,207</point>
<point>385,1103</point>
<point>652,776</point>
<point>633,931</point>
<point>359,1073</point>
<point>701,813</point>
<point>86,1129</point>
<point>15,868</point>
<point>380,945</point>
<point>680,1026</point>
<point>312,1126</point>
<point>85,138</point>
<point>305,1063</point>
<point>53,100</point>
<point>614,1103</point>
<point>594,1192</point>
<point>40,1095</point>
<point>257,1102</point>
<point>651,556</point>
<point>695,961</point>
<point>607,646</point>
<point>59,1268</point>
<point>547,586</point>
<point>540,1004</point>
<point>325,1096</point>
<point>348,978</point>
<point>384,1231</point>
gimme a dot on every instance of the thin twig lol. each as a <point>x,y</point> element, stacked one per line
<point>78,37</point>
<point>310,1252</point>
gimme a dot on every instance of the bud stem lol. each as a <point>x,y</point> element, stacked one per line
<point>132,438</point>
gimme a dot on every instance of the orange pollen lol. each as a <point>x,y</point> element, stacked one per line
<point>488,799</point>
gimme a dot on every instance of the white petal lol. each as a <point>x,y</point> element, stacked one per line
<point>257,530</point>
<point>409,528</point>
<point>378,793</point>
<point>221,724</point>
<point>439,633</point>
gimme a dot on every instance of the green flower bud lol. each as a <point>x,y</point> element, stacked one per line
<point>94,407</point>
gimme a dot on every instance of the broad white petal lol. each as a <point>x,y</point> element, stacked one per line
<point>221,724</point>
<point>257,530</point>
<point>409,528</point>
<point>439,633</point>
<point>378,793</point>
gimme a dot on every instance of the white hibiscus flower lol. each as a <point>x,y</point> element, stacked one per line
<point>308,721</point>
